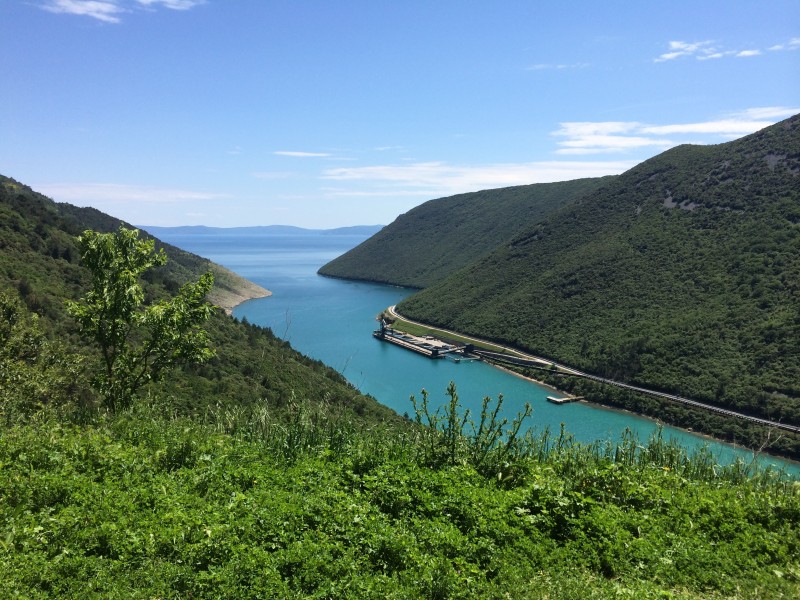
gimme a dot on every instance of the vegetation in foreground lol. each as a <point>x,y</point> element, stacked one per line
<point>248,505</point>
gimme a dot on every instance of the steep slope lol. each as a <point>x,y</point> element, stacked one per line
<point>682,274</point>
<point>435,239</point>
<point>40,267</point>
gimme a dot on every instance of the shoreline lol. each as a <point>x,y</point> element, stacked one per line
<point>231,289</point>
<point>242,298</point>
<point>601,406</point>
<point>701,434</point>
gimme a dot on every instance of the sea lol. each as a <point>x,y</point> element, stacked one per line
<point>332,320</point>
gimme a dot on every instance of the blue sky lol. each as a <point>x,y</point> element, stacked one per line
<point>325,114</point>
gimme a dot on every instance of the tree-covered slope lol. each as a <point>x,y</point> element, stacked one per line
<point>436,239</point>
<point>40,269</point>
<point>682,274</point>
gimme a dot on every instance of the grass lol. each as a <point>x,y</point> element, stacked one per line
<point>248,504</point>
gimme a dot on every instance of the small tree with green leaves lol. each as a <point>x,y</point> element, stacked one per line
<point>138,344</point>
<point>34,370</point>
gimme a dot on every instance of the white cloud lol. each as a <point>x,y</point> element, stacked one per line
<point>679,49</point>
<point>173,4</point>
<point>556,67</point>
<point>111,11</point>
<point>298,154</point>
<point>604,137</point>
<point>707,50</point>
<point>433,179</point>
<point>772,113</point>
<point>715,55</point>
<point>732,126</point>
<point>92,194</point>
<point>107,11</point>
<point>792,44</point>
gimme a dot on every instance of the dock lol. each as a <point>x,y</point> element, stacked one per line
<point>565,400</point>
<point>428,345</point>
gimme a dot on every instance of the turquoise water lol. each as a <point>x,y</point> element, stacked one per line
<point>332,320</point>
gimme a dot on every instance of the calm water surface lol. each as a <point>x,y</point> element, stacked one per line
<point>332,320</point>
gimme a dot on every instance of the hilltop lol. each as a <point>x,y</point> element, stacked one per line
<point>439,237</point>
<point>680,274</point>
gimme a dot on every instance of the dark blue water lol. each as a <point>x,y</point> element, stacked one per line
<point>332,320</point>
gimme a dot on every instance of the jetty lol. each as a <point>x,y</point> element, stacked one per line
<point>565,400</point>
<point>428,345</point>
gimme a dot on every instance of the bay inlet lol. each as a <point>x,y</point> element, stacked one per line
<point>332,320</point>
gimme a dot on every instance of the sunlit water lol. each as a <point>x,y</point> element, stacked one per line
<point>332,320</point>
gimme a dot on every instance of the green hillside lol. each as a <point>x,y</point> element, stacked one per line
<point>682,274</point>
<point>436,239</point>
<point>40,269</point>
<point>31,221</point>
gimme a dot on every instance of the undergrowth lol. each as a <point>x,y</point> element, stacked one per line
<point>305,501</point>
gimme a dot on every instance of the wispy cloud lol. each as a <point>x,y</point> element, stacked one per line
<point>679,49</point>
<point>433,179</point>
<point>708,50</point>
<point>631,139</point>
<point>111,11</point>
<point>173,4</point>
<point>108,12</point>
<point>606,137</point>
<point>792,44</point>
<point>84,194</point>
<point>556,67</point>
<point>298,154</point>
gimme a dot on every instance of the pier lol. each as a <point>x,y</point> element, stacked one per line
<point>565,400</point>
<point>428,345</point>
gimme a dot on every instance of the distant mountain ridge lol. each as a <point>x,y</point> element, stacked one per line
<point>261,230</point>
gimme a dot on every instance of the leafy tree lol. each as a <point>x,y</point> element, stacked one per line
<point>138,344</point>
<point>34,371</point>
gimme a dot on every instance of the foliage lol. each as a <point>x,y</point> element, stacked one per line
<point>137,344</point>
<point>680,275</point>
<point>34,371</point>
<point>439,237</point>
<point>142,506</point>
<point>453,439</point>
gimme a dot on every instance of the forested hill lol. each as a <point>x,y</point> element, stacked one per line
<point>54,225</point>
<point>40,268</point>
<point>435,239</point>
<point>682,274</point>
